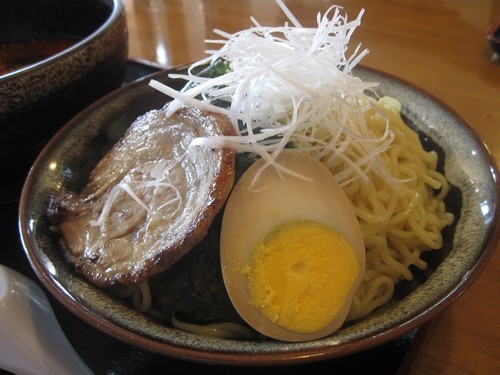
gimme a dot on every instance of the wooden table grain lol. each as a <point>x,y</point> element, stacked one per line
<point>438,45</point>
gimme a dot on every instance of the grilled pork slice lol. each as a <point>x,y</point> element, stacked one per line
<point>147,203</point>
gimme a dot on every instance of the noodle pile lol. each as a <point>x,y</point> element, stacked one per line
<point>398,226</point>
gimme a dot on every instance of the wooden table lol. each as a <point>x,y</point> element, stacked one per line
<point>441,47</point>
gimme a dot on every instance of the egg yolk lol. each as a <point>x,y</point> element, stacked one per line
<point>301,274</point>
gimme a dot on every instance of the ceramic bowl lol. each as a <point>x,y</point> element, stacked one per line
<point>67,160</point>
<point>41,92</point>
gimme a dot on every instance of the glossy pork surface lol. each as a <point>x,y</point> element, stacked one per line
<point>147,202</point>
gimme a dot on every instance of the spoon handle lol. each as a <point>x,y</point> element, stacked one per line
<point>31,339</point>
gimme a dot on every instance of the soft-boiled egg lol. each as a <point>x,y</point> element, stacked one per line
<point>292,252</point>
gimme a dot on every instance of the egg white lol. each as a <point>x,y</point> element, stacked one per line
<point>255,208</point>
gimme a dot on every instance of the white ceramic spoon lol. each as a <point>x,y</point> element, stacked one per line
<point>31,340</point>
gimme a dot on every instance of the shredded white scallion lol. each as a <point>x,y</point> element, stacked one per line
<point>291,85</point>
<point>153,177</point>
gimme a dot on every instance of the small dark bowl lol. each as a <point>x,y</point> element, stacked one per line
<point>37,99</point>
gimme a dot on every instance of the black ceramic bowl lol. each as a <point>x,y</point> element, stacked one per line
<point>39,94</point>
<point>65,164</point>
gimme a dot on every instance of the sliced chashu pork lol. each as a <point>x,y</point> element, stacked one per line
<point>146,203</point>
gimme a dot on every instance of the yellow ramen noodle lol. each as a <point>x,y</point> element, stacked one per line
<point>398,226</point>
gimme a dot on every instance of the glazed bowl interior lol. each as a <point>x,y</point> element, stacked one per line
<point>70,156</point>
<point>58,57</point>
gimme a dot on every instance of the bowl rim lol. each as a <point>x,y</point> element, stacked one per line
<point>292,356</point>
<point>117,10</point>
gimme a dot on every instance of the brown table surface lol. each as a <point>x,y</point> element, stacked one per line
<point>440,46</point>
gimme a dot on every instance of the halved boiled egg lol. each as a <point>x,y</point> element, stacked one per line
<point>292,252</point>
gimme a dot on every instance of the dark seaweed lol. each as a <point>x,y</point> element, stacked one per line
<point>193,288</point>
